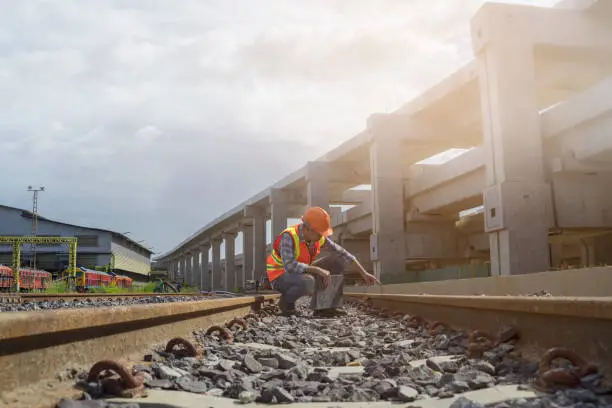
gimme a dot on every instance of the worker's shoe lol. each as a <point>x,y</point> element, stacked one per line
<point>288,310</point>
<point>329,313</point>
<point>290,313</point>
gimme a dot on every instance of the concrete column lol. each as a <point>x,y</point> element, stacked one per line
<point>587,252</point>
<point>169,269</point>
<point>203,269</point>
<point>230,261</point>
<point>516,195</point>
<point>387,243</point>
<point>174,269</point>
<point>183,274</point>
<point>191,267</point>
<point>258,217</point>
<point>556,254</point>
<point>278,206</point>
<point>318,186</point>
<point>217,274</point>
<point>246,272</point>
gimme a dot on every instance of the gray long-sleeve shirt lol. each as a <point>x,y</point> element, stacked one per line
<point>287,252</point>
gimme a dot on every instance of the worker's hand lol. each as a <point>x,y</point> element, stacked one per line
<point>325,277</point>
<point>370,279</point>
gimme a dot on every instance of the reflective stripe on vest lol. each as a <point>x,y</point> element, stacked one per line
<point>274,265</point>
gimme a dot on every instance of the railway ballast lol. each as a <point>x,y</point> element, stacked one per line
<point>368,356</point>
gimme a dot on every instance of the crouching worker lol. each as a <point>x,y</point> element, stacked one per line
<point>290,266</point>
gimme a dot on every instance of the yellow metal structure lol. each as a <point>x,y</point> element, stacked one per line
<point>17,242</point>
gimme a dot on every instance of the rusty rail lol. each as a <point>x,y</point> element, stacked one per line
<point>81,337</point>
<point>581,324</point>
<point>40,297</point>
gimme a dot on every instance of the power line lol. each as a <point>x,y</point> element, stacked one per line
<point>35,192</point>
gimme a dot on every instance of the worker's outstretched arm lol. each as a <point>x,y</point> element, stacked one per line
<point>348,259</point>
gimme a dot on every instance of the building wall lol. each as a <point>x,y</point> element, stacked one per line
<point>93,249</point>
<point>130,259</point>
<point>93,245</point>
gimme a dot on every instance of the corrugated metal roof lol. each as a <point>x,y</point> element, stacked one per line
<point>114,233</point>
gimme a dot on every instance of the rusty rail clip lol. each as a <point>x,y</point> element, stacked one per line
<point>185,349</point>
<point>237,322</point>
<point>126,386</point>
<point>480,342</point>
<point>223,333</point>
<point>437,328</point>
<point>551,379</point>
<point>415,322</point>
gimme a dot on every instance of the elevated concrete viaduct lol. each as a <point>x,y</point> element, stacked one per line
<point>534,108</point>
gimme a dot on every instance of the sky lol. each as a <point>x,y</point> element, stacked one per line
<point>157,116</point>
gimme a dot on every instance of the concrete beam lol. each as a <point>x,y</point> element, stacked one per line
<point>427,177</point>
<point>462,193</point>
<point>351,197</point>
<point>580,108</point>
<point>596,142</point>
<point>464,78</point>
<point>349,173</point>
<point>427,135</point>
<point>563,28</point>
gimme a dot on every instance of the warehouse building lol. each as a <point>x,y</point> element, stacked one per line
<point>96,247</point>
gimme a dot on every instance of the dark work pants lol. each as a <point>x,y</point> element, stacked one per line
<point>294,286</point>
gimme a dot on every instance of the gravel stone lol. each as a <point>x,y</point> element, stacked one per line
<point>215,392</point>
<point>463,402</point>
<point>71,403</point>
<point>268,362</point>
<point>282,395</point>
<point>187,384</point>
<point>160,383</point>
<point>285,361</point>
<point>251,364</point>
<point>246,397</point>
<point>406,394</point>
<point>166,373</point>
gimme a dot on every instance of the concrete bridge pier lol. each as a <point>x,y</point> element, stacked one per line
<point>230,259</point>
<point>191,267</point>
<point>516,195</point>
<point>183,271</point>
<point>317,187</point>
<point>203,269</point>
<point>278,210</point>
<point>217,273</point>
<point>257,215</point>
<point>246,272</point>
<point>387,242</point>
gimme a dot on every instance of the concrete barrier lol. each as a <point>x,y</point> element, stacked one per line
<point>570,282</point>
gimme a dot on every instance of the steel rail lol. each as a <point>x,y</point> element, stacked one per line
<point>583,324</point>
<point>35,345</point>
<point>41,297</point>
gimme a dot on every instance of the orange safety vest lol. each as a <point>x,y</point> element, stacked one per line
<point>274,265</point>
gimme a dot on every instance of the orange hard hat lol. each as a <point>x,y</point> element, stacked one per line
<point>318,219</point>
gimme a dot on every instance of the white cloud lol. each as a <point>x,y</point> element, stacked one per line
<point>156,116</point>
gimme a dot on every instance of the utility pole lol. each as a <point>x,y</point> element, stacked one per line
<point>34,220</point>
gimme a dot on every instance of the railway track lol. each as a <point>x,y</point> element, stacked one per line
<point>46,301</point>
<point>427,351</point>
<point>47,297</point>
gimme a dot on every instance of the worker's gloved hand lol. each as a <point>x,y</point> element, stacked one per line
<point>325,277</point>
<point>370,279</point>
